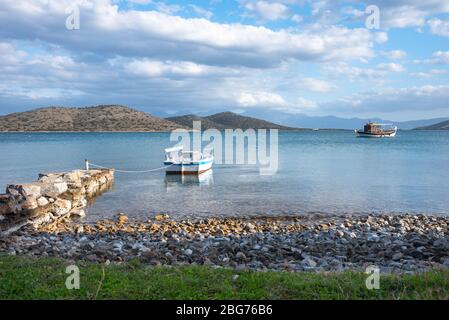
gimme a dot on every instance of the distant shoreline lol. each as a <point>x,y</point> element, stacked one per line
<point>149,131</point>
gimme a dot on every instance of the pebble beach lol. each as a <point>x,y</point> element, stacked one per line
<point>399,243</point>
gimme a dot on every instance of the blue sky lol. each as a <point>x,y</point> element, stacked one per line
<point>257,57</point>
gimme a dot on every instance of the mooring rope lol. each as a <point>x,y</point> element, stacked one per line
<point>129,171</point>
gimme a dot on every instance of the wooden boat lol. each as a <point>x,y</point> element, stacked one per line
<point>377,130</point>
<point>179,161</point>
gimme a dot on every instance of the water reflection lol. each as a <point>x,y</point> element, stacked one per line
<point>172,181</point>
<point>109,186</point>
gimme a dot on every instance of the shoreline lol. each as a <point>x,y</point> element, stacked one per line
<point>189,130</point>
<point>394,243</point>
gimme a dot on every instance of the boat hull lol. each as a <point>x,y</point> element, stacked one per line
<point>362,134</point>
<point>189,168</point>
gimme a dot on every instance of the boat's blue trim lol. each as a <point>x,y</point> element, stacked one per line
<point>188,164</point>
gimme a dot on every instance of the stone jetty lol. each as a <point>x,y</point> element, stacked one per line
<point>51,197</point>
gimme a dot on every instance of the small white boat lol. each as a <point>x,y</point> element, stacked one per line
<point>377,130</point>
<point>179,161</point>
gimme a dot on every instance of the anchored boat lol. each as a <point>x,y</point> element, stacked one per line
<point>377,130</point>
<point>179,161</point>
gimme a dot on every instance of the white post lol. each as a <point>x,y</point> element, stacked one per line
<point>87,164</point>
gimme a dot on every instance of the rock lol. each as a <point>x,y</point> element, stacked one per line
<point>397,256</point>
<point>91,188</point>
<point>240,267</point>
<point>30,203</point>
<point>62,207</point>
<point>53,190</point>
<point>161,217</point>
<point>240,256</point>
<point>309,263</point>
<point>117,247</point>
<point>188,252</point>
<point>235,277</point>
<point>122,219</point>
<point>250,227</point>
<point>5,208</point>
<point>92,258</point>
<point>42,202</point>
<point>80,203</point>
<point>78,213</point>
<point>30,189</point>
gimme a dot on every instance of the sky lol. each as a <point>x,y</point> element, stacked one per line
<point>381,58</point>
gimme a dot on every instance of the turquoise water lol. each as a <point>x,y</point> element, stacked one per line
<point>323,171</point>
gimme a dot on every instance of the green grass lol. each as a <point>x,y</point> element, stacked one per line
<point>44,278</point>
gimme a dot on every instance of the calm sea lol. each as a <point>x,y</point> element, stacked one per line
<point>319,171</point>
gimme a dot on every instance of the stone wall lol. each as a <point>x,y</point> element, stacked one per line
<point>54,195</point>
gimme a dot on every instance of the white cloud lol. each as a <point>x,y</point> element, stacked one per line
<point>393,13</point>
<point>316,85</point>
<point>274,101</point>
<point>140,1</point>
<point>431,73</point>
<point>394,54</point>
<point>174,69</point>
<point>391,67</point>
<point>163,61</point>
<point>303,103</point>
<point>402,17</point>
<point>267,10</point>
<point>439,27</point>
<point>261,99</point>
<point>168,8</point>
<point>9,56</point>
<point>159,68</point>
<point>297,18</point>
<point>439,57</point>
<point>201,11</point>
<point>158,35</point>
<point>354,73</point>
<point>416,98</point>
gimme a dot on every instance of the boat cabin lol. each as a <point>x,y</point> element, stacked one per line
<point>177,155</point>
<point>372,128</point>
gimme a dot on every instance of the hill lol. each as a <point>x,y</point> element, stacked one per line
<point>99,118</point>
<point>227,120</point>
<point>187,121</point>
<point>334,122</point>
<point>438,126</point>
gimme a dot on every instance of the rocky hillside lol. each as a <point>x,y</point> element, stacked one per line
<point>438,126</point>
<point>227,120</point>
<point>187,121</point>
<point>99,118</point>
